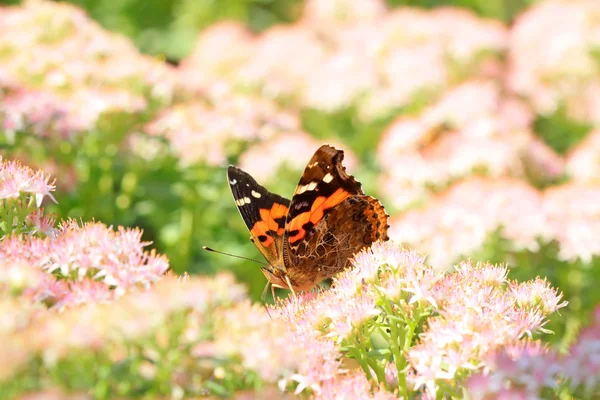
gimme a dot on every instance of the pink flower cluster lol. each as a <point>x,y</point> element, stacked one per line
<point>60,70</point>
<point>288,150</point>
<point>552,59</point>
<point>377,61</point>
<point>471,128</point>
<point>202,131</point>
<point>529,369</point>
<point>467,315</point>
<point>459,221</point>
<point>87,263</point>
<point>22,191</point>
<point>583,162</point>
<point>29,330</point>
<point>480,311</point>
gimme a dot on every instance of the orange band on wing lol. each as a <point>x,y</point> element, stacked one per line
<point>259,230</point>
<point>316,213</point>
<point>267,223</point>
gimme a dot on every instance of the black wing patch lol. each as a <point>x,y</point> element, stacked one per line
<point>263,212</point>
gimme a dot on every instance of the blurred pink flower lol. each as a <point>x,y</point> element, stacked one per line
<point>199,132</point>
<point>64,115</point>
<point>133,316</point>
<point>530,368</point>
<point>349,54</point>
<point>342,11</point>
<point>573,219</point>
<point>289,150</point>
<point>282,60</point>
<point>339,82</point>
<point>63,71</point>
<point>551,59</point>
<point>471,129</point>
<point>581,365</point>
<point>56,46</point>
<point>457,222</point>
<point>353,385</point>
<point>208,65</point>
<point>583,162</point>
<point>264,345</point>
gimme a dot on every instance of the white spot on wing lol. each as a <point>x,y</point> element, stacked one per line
<point>305,188</point>
<point>328,178</point>
<point>243,201</point>
<point>256,194</point>
<point>232,182</point>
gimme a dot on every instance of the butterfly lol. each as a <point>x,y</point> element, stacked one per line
<point>313,236</point>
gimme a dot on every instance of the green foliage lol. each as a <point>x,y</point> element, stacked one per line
<point>559,131</point>
<point>170,27</point>
<point>505,10</point>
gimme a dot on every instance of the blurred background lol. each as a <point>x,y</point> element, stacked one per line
<point>474,122</point>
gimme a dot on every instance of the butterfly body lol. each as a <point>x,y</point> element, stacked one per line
<point>313,236</point>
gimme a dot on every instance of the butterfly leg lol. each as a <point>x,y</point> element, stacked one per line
<point>287,280</point>
<point>273,293</point>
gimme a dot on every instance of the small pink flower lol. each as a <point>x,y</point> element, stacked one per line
<point>583,162</point>
<point>16,179</point>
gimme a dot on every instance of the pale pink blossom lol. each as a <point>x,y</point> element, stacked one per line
<point>208,64</point>
<point>531,368</point>
<point>551,59</point>
<point>353,385</point>
<point>80,54</point>
<point>459,221</point>
<point>200,133</point>
<point>573,215</point>
<point>282,59</point>
<point>290,150</point>
<point>342,11</point>
<point>475,318</point>
<point>583,162</point>
<point>113,259</point>
<point>581,365</point>
<point>264,345</point>
<point>349,55</point>
<point>471,130</point>
<point>339,81</point>
<point>16,179</point>
<point>137,314</point>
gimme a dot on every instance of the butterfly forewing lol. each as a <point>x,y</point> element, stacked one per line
<point>263,212</point>
<point>330,219</point>
<point>323,185</point>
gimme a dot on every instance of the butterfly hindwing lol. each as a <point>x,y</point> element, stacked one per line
<point>263,212</point>
<point>330,219</point>
<point>326,250</point>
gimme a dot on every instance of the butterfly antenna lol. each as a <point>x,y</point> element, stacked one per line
<point>232,255</point>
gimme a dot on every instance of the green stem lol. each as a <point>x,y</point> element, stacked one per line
<point>358,356</point>
<point>399,359</point>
